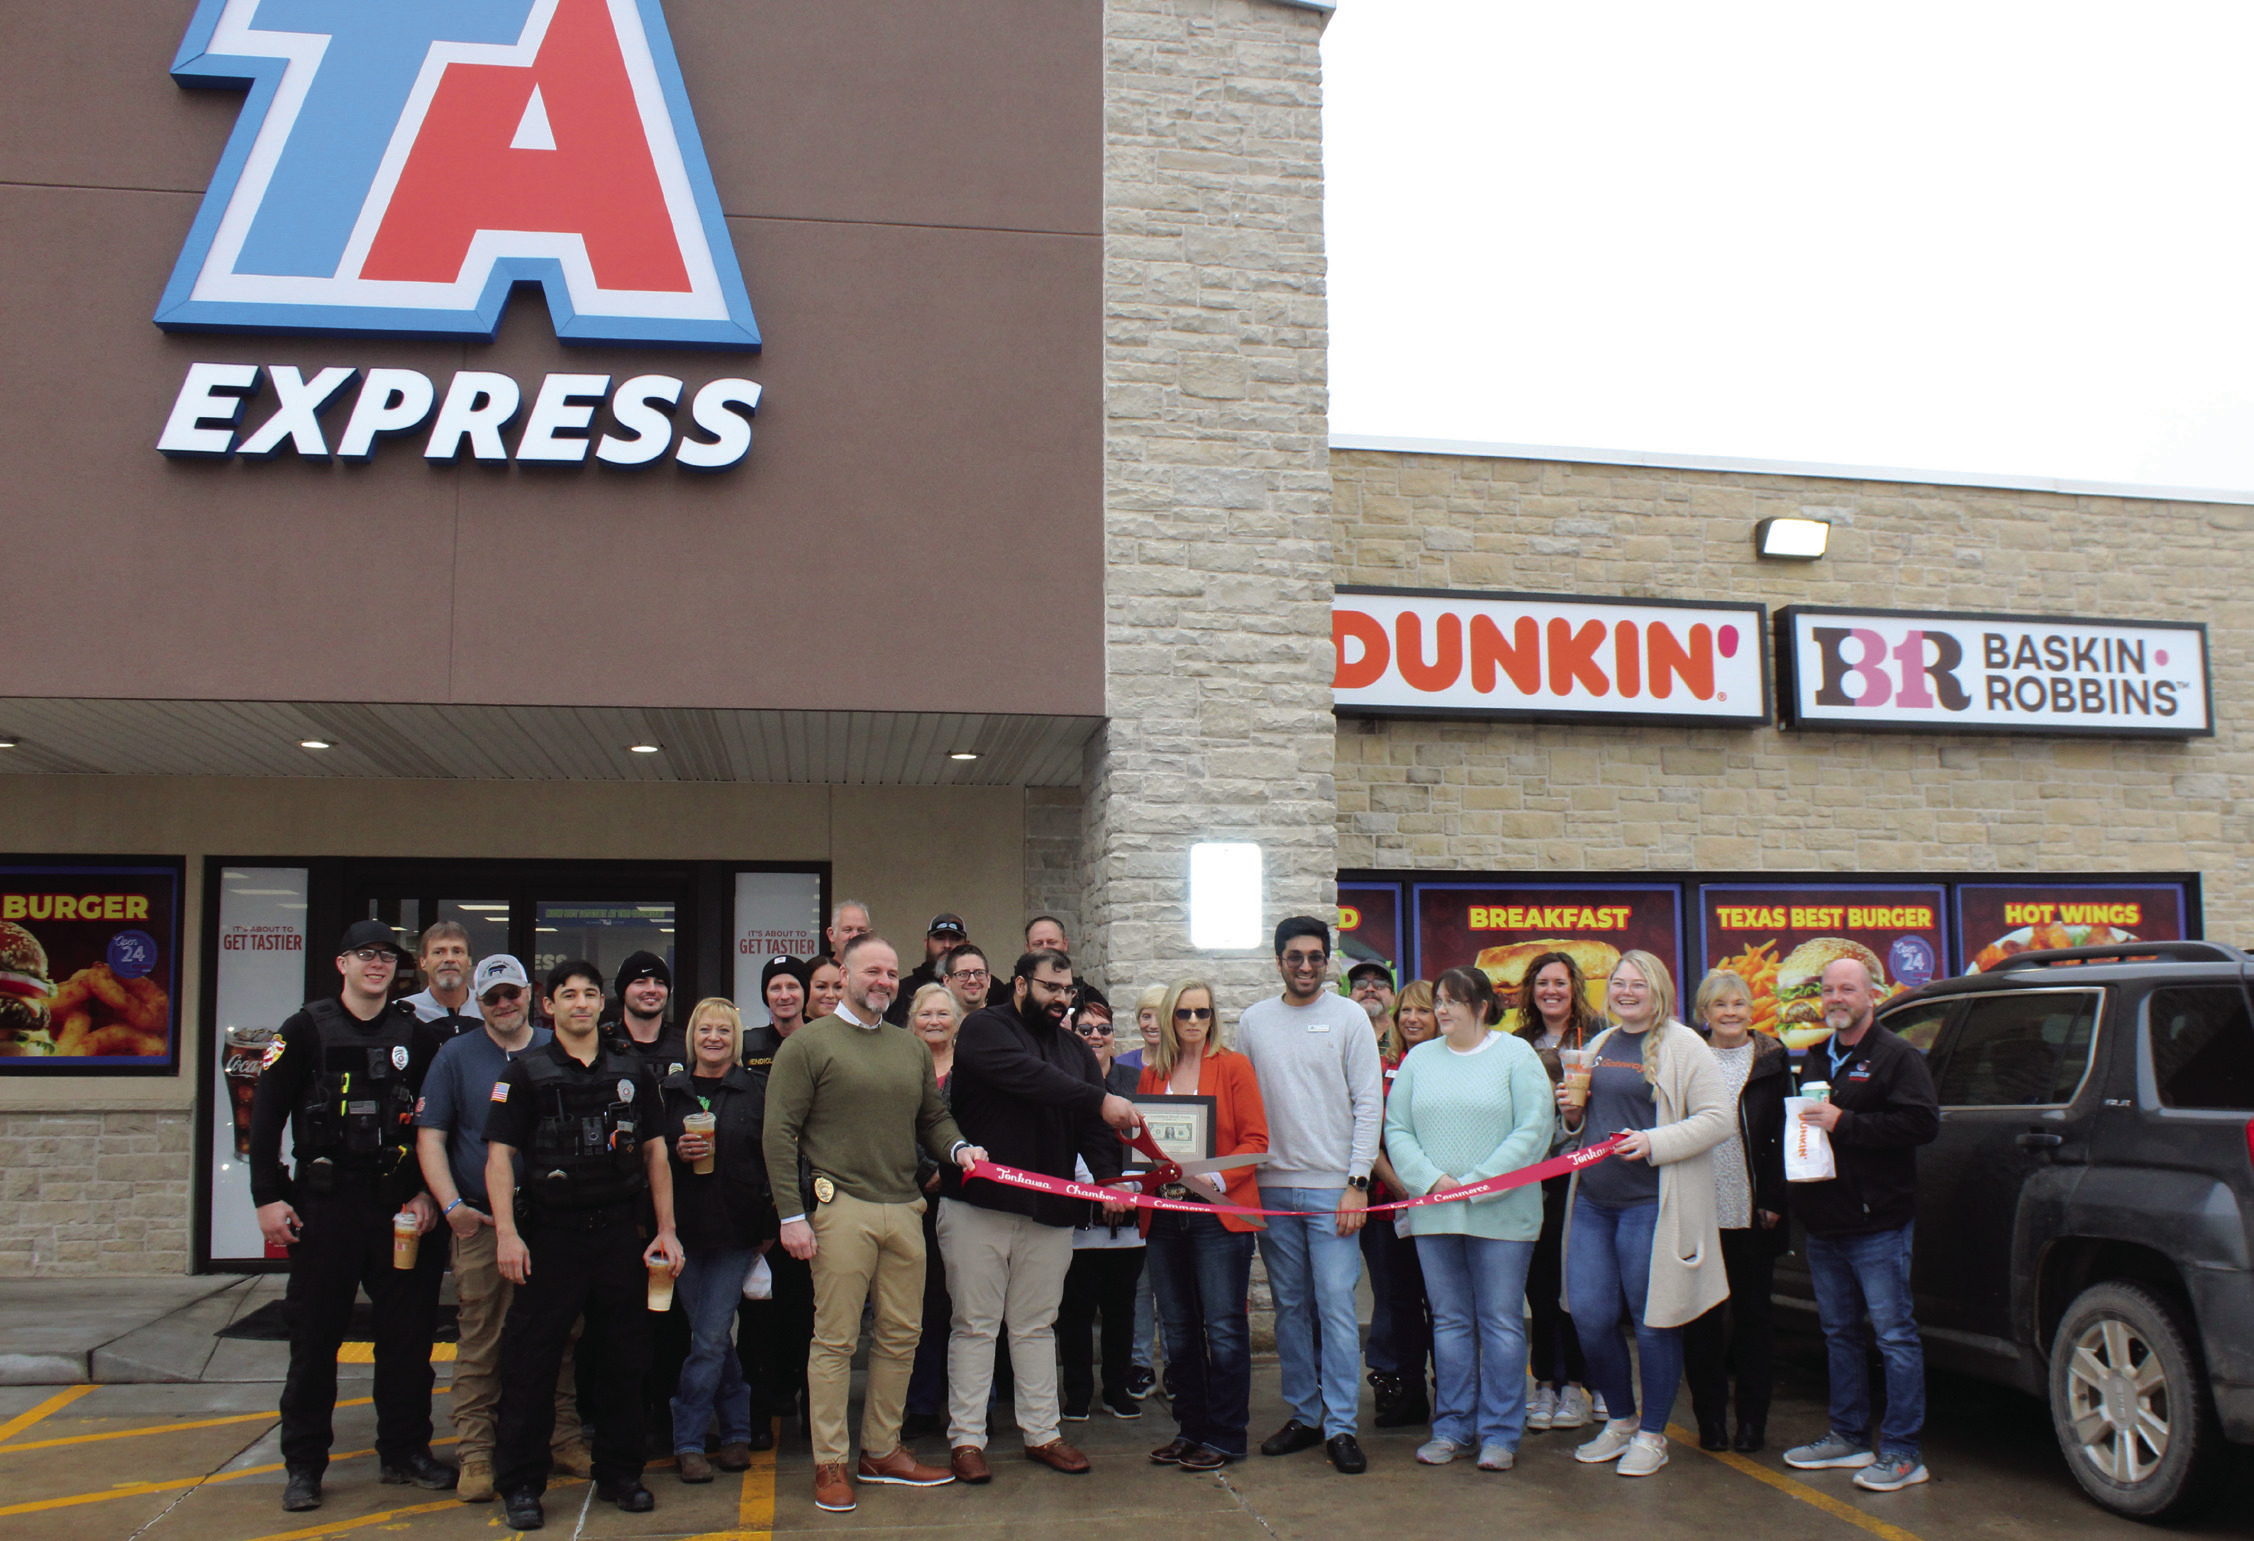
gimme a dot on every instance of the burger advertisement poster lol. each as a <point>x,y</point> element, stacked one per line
<point>1995,921</point>
<point>1778,939</point>
<point>89,966</point>
<point>1500,928</point>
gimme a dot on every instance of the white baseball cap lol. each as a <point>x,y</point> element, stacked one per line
<point>500,969</point>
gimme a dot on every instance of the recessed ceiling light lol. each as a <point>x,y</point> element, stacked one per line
<point>314,743</point>
<point>964,754</point>
<point>642,748</point>
<point>7,743</point>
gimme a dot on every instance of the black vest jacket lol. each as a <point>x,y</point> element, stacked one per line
<point>586,1153</point>
<point>356,1116</point>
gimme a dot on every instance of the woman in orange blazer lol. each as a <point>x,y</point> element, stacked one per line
<point>1201,1265</point>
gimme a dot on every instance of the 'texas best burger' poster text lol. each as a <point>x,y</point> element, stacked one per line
<point>1779,938</point>
<point>1996,921</point>
<point>1501,927</point>
<point>89,966</point>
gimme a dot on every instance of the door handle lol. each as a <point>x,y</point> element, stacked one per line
<point>2036,1140</point>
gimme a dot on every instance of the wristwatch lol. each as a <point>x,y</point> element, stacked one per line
<point>1358,1184</point>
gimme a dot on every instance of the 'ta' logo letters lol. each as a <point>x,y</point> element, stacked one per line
<point>398,166</point>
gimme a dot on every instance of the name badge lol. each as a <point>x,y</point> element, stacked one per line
<point>1318,1027</point>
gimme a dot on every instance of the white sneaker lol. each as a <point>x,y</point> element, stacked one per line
<point>1597,1407</point>
<point>1646,1453</point>
<point>1541,1407</point>
<point>1437,1452</point>
<point>1572,1409</point>
<point>1503,1458</point>
<point>1611,1440</point>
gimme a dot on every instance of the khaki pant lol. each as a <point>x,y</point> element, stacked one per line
<point>863,1252</point>
<point>1002,1268</point>
<point>484,1298</point>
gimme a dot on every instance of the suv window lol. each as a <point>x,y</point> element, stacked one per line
<point>1918,1025</point>
<point>2202,1046</point>
<point>2019,1048</point>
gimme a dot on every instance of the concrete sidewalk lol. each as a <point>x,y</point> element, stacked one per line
<point>123,1331</point>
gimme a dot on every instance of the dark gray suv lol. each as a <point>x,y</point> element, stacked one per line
<point>2085,1225</point>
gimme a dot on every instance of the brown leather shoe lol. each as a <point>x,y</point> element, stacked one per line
<point>831,1490</point>
<point>733,1456</point>
<point>1171,1453</point>
<point>903,1468</point>
<point>574,1459</point>
<point>968,1463</point>
<point>691,1466</point>
<point>1058,1456</point>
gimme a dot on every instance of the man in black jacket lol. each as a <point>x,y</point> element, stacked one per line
<point>1031,1093</point>
<point>1860,1224</point>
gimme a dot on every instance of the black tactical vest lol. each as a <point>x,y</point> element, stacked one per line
<point>356,1117</point>
<point>586,1152</point>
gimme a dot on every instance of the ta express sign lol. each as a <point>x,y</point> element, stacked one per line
<point>1977,673</point>
<point>1448,653</point>
<point>398,168</point>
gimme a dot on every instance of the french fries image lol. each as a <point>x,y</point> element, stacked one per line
<point>97,1013</point>
<point>1757,966</point>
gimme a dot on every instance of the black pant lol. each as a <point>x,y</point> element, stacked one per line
<point>773,1337</point>
<point>669,1350</point>
<point>597,1273</point>
<point>927,1382</point>
<point>1400,1341</point>
<point>344,1244</point>
<point>1553,1348</point>
<point>1735,1337</point>
<point>1101,1280</point>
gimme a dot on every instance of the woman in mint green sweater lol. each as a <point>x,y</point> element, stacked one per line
<point>1469,1105</point>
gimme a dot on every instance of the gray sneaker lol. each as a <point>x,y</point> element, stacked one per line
<point>1437,1452</point>
<point>1829,1453</point>
<point>1894,1472</point>
<point>1497,1458</point>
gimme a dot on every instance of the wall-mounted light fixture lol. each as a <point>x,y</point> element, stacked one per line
<point>1791,540</point>
<point>1225,895</point>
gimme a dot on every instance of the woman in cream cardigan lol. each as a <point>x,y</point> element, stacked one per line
<point>1641,1231</point>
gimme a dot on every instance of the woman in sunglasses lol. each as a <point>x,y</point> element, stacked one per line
<point>1107,1261</point>
<point>1201,1265</point>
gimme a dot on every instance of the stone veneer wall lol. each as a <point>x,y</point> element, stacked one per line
<point>1477,796</point>
<point>1217,482</point>
<point>93,1193</point>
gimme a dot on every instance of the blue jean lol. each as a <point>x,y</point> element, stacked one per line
<point>1313,1273</point>
<point>1146,1321</point>
<point>712,1379</point>
<point>1854,1275</point>
<point>1478,1291</point>
<point>1200,1273</point>
<point>1608,1275</point>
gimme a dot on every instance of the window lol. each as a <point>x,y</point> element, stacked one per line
<point>2202,1047</point>
<point>2020,1048</point>
<point>1918,1025</point>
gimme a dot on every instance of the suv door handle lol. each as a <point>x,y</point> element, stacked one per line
<point>2036,1140</point>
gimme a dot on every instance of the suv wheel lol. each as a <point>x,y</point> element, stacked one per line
<point>2130,1404</point>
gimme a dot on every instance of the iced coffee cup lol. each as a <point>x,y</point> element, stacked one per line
<point>661,1285</point>
<point>406,1239</point>
<point>704,1124</point>
<point>1579,1065</point>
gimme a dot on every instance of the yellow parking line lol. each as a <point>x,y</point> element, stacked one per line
<point>55,1403</point>
<point>137,1489</point>
<point>385,1518</point>
<point>1799,1490</point>
<point>755,1509</point>
<point>171,1428</point>
<point>356,1352</point>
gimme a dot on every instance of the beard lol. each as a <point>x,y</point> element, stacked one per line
<point>1839,1019</point>
<point>1376,1009</point>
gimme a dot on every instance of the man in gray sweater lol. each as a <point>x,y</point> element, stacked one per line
<point>1324,1091</point>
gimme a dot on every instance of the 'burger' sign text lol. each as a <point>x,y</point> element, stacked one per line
<point>1978,673</point>
<point>1443,653</point>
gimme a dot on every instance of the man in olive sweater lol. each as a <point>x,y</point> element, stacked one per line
<point>855,1095</point>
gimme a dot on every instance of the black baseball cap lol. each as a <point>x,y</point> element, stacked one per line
<point>1369,966</point>
<point>369,933</point>
<point>781,963</point>
<point>946,925</point>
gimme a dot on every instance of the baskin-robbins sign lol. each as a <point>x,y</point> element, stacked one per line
<point>1461,653</point>
<point>398,168</point>
<point>1978,673</point>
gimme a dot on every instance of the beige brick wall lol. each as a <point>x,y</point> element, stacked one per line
<point>1477,796</point>
<point>90,1193</point>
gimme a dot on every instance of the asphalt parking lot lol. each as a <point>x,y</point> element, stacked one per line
<point>197,1462</point>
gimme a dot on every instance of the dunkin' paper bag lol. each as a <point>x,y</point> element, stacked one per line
<point>1807,1149</point>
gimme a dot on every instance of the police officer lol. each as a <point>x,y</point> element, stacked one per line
<point>344,1073</point>
<point>588,1120</point>
<point>642,988</point>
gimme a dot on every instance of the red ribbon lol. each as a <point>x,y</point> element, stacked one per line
<point>1540,1171</point>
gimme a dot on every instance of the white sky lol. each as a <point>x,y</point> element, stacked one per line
<point>1998,239</point>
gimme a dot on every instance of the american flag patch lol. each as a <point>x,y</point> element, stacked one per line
<point>500,1091</point>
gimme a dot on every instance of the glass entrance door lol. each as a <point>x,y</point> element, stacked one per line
<point>604,932</point>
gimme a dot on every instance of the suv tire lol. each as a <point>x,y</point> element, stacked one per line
<point>2130,1403</point>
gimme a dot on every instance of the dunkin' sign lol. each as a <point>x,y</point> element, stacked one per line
<point>1443,653</point>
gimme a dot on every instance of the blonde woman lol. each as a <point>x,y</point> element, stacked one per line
<point>1146,1029</point>
<point>1400,1340</point>
<point>935,1015</point>
<point>725,1219</point>
<point>1142,1380</point>
<point>1642,1239</point>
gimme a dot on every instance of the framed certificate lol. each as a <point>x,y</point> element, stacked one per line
<point>1180,1126</point>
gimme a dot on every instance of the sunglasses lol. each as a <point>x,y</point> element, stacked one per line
<point>1193,1013</point>
<point>1093,1029</point>
<point>502,993</point>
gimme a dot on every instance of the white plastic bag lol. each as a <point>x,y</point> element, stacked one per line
<point>759,1284</point>
<point>1807,1149</point>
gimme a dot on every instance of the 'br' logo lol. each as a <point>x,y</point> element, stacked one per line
<point>400,165</point>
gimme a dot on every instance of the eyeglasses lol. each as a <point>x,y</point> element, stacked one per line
<point>1305,960</point>
<point>971,975</point>
<point>503,993</point>
<point>371,954</point>
<point>1063,987</point>
<point>1193,1013</point>
<point>1093,1029</point>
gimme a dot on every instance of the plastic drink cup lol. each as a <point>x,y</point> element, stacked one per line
<point>704,1124</point>
<point>661,1285</point>
<point>406,1239</point>
<point>1578,1069</point>
<point>1816,1091</point>
<point>246,1056</point>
